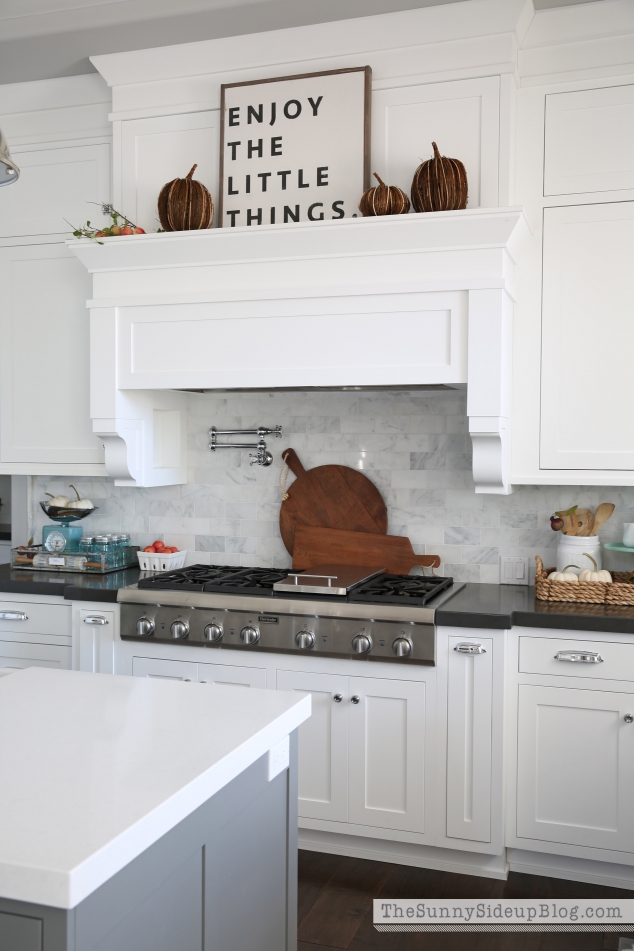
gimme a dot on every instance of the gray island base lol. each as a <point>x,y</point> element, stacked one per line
<point>223,879</point>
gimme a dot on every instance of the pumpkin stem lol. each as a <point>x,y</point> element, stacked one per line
<point>76,492</point>
<point>586,555</point>
<point>572,566</point>
<point>379,180</point>
<point>193,169</point>
<point>436,152</point>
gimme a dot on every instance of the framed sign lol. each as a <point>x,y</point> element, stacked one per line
<point>295,148</point>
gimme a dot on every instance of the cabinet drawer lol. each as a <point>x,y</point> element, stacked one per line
<point>566,657</point>
<point>233,676</point>
<point>16,654</point>
<point>18,931</point>
<point>25,617</point>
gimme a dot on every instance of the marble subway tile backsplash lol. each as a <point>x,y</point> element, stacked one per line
<point>414,446</point>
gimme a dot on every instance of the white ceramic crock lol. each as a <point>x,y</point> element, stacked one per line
<point>570,551</point>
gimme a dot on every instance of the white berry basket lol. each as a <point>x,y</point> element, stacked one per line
<point>150,562</point>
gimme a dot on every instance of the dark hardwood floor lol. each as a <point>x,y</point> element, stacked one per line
<point>335,907</point>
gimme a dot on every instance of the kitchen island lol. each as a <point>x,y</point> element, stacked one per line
<point>146,815</point>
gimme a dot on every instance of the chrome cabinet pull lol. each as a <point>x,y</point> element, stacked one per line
<point>466,648</point>
<point>628,718</point>
<point>13,616</point>
<point>355,699</point>
<point>95,619</point>
<point>579,657</point>
<point>338,697</point>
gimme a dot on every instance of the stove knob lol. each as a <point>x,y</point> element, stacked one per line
<point>361,643</point>
<point>305,640</point>
<point>179,630</point>
<point>402,646</point>
<point>250,635</point>
<point>213,632</point>
<point>145,626</point>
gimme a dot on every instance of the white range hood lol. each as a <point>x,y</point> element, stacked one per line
<point>413,300</point>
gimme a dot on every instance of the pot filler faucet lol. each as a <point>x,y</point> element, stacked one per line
<point>263,457</point>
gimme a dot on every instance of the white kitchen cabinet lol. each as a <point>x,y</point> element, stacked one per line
<point>57,185</point>
<point>588,295</point>
<point>232,675</point>
<point>164,669</point>
<point>5,552</point>
<point>155,151</point>
<point>575,767</point>
<point>386,777</point>
<point>589,143</point>
<point>323,744</point>
<point>44,364</point>
<point>95,633</point>
<point>469,736</point>
<point>26,654</point>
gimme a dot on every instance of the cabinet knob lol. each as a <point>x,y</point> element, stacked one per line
<point>355,699</point>
<point>628,718</point>
<point>338,698</point>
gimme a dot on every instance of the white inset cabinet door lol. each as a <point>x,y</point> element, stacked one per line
<point>323,744</point>
<point>19,654</point>
<point>164,669</point>
<point>575,771</point>
<point>387,753</point>
<point>588,296</point>
<point>97,641</point>
<point>44,361</point>
<point>231,675</point>
<point>469,741</point>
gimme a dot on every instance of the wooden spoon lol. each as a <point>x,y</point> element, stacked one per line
<point>602,514</point>
<point>582,519</point>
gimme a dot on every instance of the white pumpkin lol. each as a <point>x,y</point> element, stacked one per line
<point>596,575</point>
<point>80,503</point>
<point>61,501</point>
<point>565,575</point>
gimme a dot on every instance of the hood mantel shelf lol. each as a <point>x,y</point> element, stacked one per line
<point>397,301</point>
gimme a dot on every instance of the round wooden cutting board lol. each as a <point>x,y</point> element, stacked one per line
<point>330,497</point>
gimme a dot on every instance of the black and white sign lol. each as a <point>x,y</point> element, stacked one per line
<point>295,148</point>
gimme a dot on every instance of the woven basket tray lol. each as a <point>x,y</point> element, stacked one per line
<point>621,591</point>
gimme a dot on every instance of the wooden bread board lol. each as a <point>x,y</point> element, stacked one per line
<point>330,497</point>
<point>322,546</point>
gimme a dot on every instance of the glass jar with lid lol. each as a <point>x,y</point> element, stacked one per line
<point>103,543</point>
<point>87,544</point>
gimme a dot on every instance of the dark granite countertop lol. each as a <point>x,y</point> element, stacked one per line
<point>73,586</point>
<point>503,606</point>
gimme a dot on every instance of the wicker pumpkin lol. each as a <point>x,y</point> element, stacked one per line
<point>185,205</point>
<point>383,200</point>
<point>440,184</point>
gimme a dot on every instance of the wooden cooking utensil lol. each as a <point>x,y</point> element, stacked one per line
<point>602,514</point>
<point>320,546</point>
<point>582,519</point>
<point>330,497</point>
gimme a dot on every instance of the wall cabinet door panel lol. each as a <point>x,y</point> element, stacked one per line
<point>323,744</point>
<point>588,301</point>
<point>155,151</point>
<point>469,740</point>
<point>164,669</point>
<point>44,359</point>
<point>589,140</point>
<point>55,184</point>
<point>387,753</point>
<point>232,676</point>
<point>575,768</point>
<point>462,117</point>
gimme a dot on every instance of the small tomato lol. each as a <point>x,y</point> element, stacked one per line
<point>127,230</point>
<point>139,231</point>
<point>158,544</point>
<point>150,549</point>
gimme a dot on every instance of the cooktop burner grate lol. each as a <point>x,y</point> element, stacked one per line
<point>399,589</point>
<point>217,578</point>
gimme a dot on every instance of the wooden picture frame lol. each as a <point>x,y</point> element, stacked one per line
<point>307,146</point>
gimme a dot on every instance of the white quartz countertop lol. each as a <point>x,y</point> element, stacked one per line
<point>95,768</point>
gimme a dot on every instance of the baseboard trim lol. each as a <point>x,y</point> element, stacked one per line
<point>405,853</point>
<point>572,868</point>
